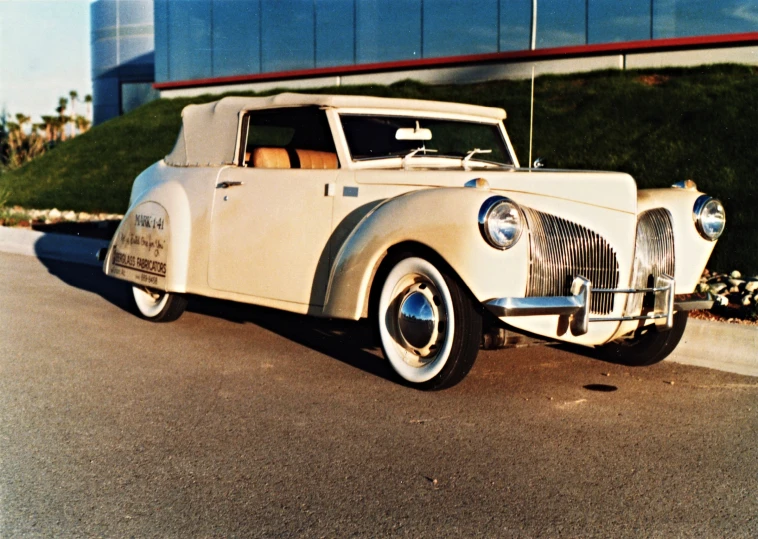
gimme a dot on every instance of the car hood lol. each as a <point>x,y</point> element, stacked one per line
<point>612,190</point>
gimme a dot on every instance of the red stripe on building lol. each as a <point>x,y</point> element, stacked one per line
<point>653,45</point>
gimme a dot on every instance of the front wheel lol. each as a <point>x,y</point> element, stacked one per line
<point>428,325</point>
<point>158,306</point>
<point>647,346</point>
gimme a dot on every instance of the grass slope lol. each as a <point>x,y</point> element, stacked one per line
<point>660,126</point>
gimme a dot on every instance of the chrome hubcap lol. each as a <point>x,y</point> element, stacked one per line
<point>420,323</point>
<point>416,320</point>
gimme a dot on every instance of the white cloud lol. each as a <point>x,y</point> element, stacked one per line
<point>745,12</point>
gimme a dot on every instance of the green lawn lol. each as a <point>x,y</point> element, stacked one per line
<point>660,126</point>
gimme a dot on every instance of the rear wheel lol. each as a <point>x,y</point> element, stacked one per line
<point>429,327</point>
<point>647,346</point>
<point>158,306</point>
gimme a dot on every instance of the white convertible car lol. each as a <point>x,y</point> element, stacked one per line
<point>415,214</point>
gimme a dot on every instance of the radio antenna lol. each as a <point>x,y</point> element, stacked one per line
<point>531,123</point>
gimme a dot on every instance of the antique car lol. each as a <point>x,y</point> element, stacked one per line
<point>417,215</point>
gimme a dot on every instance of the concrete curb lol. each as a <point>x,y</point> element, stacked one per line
<point>715,345</point>
<point>720,346</point>
<point>63,247</point>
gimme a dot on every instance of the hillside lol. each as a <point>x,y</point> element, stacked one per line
<point>660,126</point>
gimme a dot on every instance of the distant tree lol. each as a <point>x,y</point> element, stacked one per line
<point>61,109</point>
<point>47,125</point>
<point>82,123</point>
<point>88,102</point>
<point>73,94</point>
<point>22,147</point>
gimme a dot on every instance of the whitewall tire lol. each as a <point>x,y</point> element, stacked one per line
<point>429,328</point>
<point>157,305</point>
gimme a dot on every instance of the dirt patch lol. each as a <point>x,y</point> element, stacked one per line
<point>653,80</point>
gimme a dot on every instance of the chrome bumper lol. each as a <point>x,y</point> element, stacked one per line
<point>577,305</point>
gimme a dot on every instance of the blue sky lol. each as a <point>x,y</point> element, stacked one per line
<point>44,54</point>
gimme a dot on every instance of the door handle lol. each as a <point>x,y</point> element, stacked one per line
<point>226,185</point>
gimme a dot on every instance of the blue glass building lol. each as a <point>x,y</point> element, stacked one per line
<point>201,44</point>
<point>122,56</point>
<point>206,39</point>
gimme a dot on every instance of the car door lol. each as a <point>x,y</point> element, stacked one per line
<point>270,227</point>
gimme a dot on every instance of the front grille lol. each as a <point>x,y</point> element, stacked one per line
<point>561,250</point>
<point>653,254</point>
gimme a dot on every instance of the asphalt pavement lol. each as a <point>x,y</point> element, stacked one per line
<point>237,421</point>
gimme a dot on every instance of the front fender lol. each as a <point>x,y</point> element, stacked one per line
<point>444,220</point>
<point>151,244</point>
<point>691,250</point>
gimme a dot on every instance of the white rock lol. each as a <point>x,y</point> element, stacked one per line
<point>703,287</point>
<point>54,214</point>
<point>735,282</point>
<point>751,286</point>
<point>69,216</point>
<point>717,287</point>
<point>735,274</point>
<point>746,300</point>
<point>83,216</point>
<point>721,300</point>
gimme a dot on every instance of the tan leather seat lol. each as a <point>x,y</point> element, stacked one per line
<point>313,159</point>
<point>271,158</point>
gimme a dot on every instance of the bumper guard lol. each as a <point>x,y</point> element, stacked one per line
<point>577,305</point>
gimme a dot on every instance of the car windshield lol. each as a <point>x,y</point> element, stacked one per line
<point>376,137</point>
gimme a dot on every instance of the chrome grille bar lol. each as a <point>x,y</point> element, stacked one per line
<point>653,254</point>
<point>562,250</point>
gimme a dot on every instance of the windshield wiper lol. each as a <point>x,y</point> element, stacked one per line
<point>469,155</point>
<point>407,157</point>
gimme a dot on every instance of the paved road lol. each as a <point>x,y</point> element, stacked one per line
<point>240,421</point>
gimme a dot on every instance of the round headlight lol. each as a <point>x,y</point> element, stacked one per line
<point>500,222</point>
<point>709,216</point>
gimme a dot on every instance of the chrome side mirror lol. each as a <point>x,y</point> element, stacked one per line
<point>538,163</point>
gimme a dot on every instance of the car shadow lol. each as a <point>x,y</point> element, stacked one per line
<point>588,352</point>
<point>350,342</point>
<point>103,230</point>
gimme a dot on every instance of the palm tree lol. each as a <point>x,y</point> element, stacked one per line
<point>73,94</point>
<point>62,103</point>
<point>82,123</point>
<point>88,102</point>
<point>47,124</point>
<point>22,119</point>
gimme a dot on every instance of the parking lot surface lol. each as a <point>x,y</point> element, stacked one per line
<point>242,421</point>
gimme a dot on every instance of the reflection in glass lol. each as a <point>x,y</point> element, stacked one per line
<point>136,50</point>
<point>236,37</point>
<point>387,30</point>
<point>161,41</point>
<point>189,39</point>
<point>612,21</point>
<point>515,24</point>
<point>287,35</point>
<point>682,18</point>
<point>135,12</point>
<point>453,28</point>
<point>561,23</point>
<point>335,33</point>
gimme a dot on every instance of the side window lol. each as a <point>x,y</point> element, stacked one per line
<point>297,137</point>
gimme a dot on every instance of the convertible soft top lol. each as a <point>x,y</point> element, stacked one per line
<point>209,131</point>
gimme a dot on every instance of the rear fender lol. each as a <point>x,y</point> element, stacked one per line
<point>151,244</point>
<point>444,220</point>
